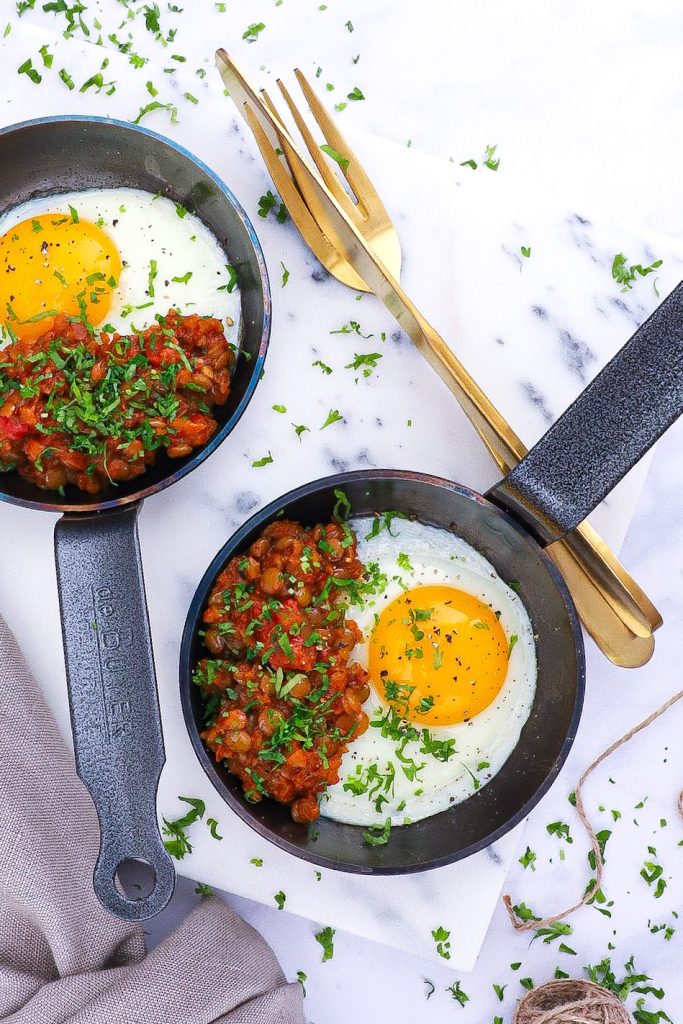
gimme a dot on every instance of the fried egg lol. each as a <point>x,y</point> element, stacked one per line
<point>451,656</point>
<point>115,257</point>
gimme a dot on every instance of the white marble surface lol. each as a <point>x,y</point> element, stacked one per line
<point>600,142</point>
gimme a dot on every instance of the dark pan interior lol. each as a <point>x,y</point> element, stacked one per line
<point>545,740</point>
<point>64,154</point>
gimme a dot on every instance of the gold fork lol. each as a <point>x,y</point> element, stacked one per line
<point>613,608</point>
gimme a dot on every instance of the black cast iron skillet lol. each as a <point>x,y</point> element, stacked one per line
<point>109,662</point>
<point>581,458</point>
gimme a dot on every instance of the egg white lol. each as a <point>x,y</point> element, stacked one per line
<point>437,557</point>
<point>145,227</point>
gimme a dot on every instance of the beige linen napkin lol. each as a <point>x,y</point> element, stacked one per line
<point>65,960</point>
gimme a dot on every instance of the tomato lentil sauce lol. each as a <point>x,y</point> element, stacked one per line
<point>91,409</point>
<point>282,698</point>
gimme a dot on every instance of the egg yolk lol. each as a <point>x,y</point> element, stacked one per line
<point>438,655</point>
<point>51,264</point>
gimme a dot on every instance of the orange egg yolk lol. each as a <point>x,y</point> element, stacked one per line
<point>438,655</point>
<point>55,263</point>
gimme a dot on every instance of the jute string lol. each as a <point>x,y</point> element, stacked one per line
<point>523,926</point>
<point>570,1002</point>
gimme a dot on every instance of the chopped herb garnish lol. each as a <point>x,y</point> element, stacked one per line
<point>343,161</point>
<point>378,835</point>
<point>27,69</point>
<point>441,937</point>
<point>326,939</point>
<point>333,416</point>
<point>258,463</point>
<point>625,275</point>
<point>253,32</point>
<point>178,844</point>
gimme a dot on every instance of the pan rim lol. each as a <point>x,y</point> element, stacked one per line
<point>88,508</point>
<point>262,516</point>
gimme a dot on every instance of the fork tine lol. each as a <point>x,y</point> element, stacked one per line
<point>326,173</point>
<point>354,173</point>
<point>326,252</point>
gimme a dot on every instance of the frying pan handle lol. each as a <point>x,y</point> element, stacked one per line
<point>114,705</point>
<point>604,433</point>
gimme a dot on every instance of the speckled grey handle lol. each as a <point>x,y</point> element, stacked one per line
<point>114,705</point>
<point>604,433</point>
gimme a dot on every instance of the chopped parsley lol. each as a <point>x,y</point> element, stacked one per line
<point>269,202</point>
<point>528,859</point>
<point>625,275</point>
<point>457,993</point>
<point>27,69</point>
<point>491,160</point>
<point>265,461</point>
<point>366,361</point>
<point>378,835</point>
<point>333,416</point>
<point>326,939</point>
<point>441,937</point>
<point>156,105</point>
<point>343,161</point>
<point>253,32</point>
<point>178,843</point>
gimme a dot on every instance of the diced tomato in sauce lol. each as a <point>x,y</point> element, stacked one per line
<point>283,698</point>
<point>93,410</point>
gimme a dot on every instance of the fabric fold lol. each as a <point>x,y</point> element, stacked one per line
<point>63,958</point>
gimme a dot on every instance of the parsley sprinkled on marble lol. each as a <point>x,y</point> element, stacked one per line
<point>267,203</point>
<point>626,275</point>
<point>441,937</point>
<point>528,859</point>
<point>366,361</point>
<point>212,826</point>
<point>326,939</point>
<point>253,32</point>
<point>333,416</point>
<point>156,105</point>
<point>27,69</point>
<point>178,843</point>
<point>352,327</point>
<point>265,461</point>
<point>491,160</point>
<point>458,993</point>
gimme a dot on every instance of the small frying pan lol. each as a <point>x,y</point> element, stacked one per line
<point>571,469</point>
<point>109,662</point>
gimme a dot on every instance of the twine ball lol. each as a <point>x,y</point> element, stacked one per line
<point>571,1002</point>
